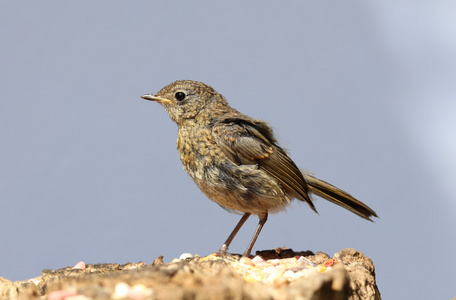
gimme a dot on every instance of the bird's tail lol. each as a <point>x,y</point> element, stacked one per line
<point>337,196</point>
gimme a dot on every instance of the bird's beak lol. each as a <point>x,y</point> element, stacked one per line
<point>155,98</point>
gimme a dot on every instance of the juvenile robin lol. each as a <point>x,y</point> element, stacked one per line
<point>236,161</point>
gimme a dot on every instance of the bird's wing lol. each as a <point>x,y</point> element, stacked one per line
<point>247,142</point>
<point>241,145</point>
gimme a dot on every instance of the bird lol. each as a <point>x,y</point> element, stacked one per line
<point>237,162</point>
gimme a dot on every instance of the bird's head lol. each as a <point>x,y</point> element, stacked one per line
<point>185,99</point>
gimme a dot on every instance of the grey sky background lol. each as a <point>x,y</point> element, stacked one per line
<point>361,93</point>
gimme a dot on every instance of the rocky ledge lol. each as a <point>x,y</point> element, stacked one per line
<point>272,274</point>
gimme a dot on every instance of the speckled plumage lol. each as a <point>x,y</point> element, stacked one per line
<point>236,161</point>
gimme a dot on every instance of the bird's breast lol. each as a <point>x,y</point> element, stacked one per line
<point>198,151</point>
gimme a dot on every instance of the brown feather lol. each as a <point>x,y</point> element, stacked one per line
<point>337,196</point>
<point>248,142</point>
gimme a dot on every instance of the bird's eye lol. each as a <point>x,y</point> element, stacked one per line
<point>180,96</point>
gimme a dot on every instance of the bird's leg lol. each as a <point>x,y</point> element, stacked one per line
<point>228,241</point>
<point>263,219</point>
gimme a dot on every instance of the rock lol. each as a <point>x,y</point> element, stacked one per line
<point>278,274</point>
<point>362,272</point>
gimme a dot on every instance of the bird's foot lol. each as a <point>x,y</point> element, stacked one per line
<point>246,254</point>
<point>222,251</point>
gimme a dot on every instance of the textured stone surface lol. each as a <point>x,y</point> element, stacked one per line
<point>349,275</point>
